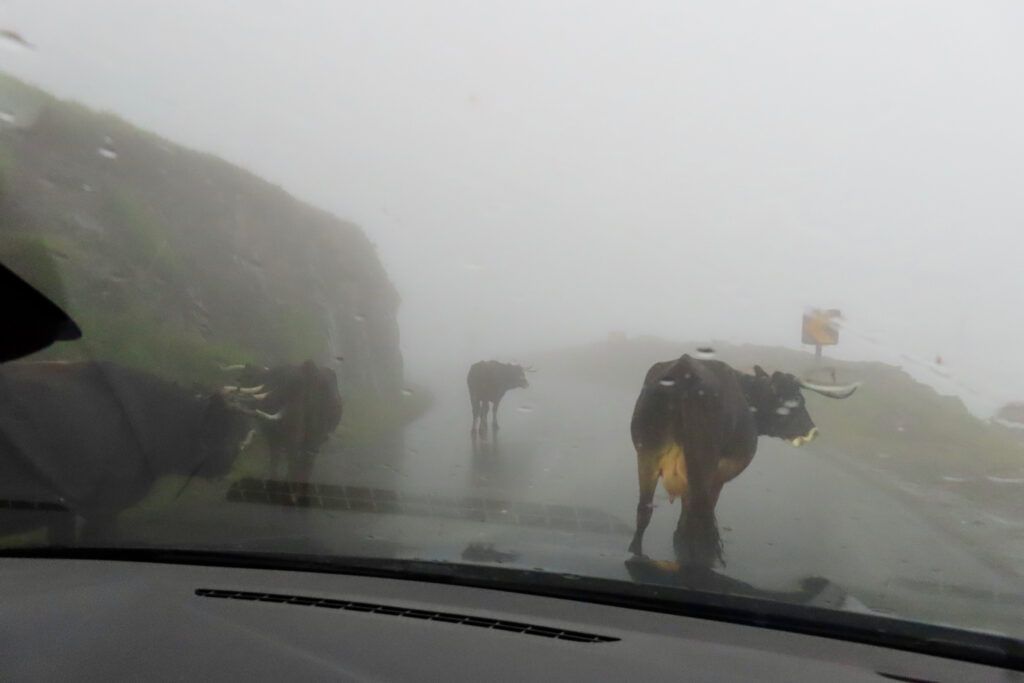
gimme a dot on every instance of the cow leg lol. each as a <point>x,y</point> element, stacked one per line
<point>494,415</point>
<point>483,417</point>
<point>696,540</point>
<point>300,467</point>
<point>647,474</point>
<point>293,462</point>
<point>476,415</point>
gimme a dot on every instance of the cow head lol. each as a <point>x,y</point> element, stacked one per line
<point>778,404</point>
<point>516,377</point>
<point>301,396</point>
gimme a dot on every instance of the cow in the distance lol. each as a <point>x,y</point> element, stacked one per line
<point>488,381</point>
<point>89,439</point>
<point>297,408</point>
<point>695,426</point>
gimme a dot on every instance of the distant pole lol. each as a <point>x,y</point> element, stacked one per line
<point>817,354</point>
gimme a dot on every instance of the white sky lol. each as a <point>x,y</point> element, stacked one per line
<point>539,173</point>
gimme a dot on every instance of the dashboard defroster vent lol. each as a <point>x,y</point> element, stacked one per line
<point>426,615</point>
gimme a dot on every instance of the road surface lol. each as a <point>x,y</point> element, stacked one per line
<point>557,490</point>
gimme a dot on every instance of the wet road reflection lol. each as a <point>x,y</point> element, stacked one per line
<point>815,590</point>
<point>557,489</point>
<point>795,513</point>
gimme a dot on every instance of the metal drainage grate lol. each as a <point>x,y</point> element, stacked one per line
<point>426,615</point>
<point>31,505</point>
<point>464,508</point>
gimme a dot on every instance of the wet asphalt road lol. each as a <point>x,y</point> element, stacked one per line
<point>557,490</point>
<point>794,513</point>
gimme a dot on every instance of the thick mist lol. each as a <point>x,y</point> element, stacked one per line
<point>537,174</point>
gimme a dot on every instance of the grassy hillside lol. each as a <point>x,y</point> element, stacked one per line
<point>175,261</point>
<point>893,421</point>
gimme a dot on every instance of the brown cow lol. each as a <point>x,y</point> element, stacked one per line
<point>695,427</point>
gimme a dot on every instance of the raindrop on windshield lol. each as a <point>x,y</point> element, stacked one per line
<point>7,117</point>
<point>107,153</point>
<point>525,409</point>
<point>12,40</point>
<point>406,392</point>
<point>360,317</point>
<point>667,382</point>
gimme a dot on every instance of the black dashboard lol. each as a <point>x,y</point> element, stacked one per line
<point>88,619</point>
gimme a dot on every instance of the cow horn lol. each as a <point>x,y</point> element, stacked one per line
<point>250,390</point>
<point>231,368</point>
<point>269,417</point>
<point>830,390</point>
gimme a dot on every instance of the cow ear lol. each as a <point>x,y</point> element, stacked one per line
<point>759,372</point>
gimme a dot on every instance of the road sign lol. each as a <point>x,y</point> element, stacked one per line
<point>818,328</point>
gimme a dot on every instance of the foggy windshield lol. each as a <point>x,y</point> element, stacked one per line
<point>628,291</point>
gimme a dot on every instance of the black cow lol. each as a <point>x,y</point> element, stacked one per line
<point>297,408</point>
<point>488,381</point>
<point>91,438</point>
<point>695,426</point>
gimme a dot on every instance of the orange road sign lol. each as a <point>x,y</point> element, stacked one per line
<point>818,328</point>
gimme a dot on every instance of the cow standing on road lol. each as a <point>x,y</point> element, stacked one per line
<point>91,438</point>
<point>488,381</point>
<point>695,426</point>
<point>297,408</point>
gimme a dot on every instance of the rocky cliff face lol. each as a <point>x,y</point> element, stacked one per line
<point>176,261</point>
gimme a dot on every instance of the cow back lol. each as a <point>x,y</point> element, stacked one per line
<point>322,404</point>
<point>488,380</point>
<point>698,404</point>
<point>307,398</point>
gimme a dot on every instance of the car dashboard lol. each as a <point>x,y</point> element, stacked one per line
<point>96,619</point>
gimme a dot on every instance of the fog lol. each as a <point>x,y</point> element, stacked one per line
<point>537,174</point>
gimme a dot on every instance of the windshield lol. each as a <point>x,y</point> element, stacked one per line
<point>716,296</point>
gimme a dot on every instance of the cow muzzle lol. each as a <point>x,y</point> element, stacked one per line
<point>801,440</point>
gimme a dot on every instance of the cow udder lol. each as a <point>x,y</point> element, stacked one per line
<point>672,470</point>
